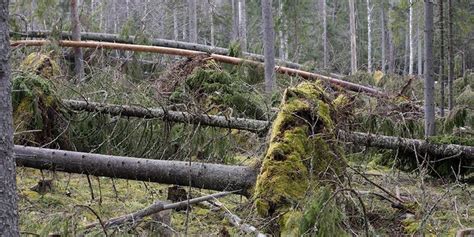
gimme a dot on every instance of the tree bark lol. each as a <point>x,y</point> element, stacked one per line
<point>235,21</point>
<point>429,82</point>
<point>325,35</point>
<point>199,175</point>
<point>384,39</point>
<point>281,33</point>
<point>8,194</point>
<point>175,23</point>
<point>411,39</point>
<point>450,57</point>
<point>441,59</point>
<point>193,31</point>
<point>352,26</point>
<point>391,47</point>
<point>269,46</point>
<point>175,116</point>
<point>220,58</point>
<point>369,37</point>
<point>242,25</point>
<point>76,35</point>
<point>420,49</point>
<point>421,146</point>
<point>407,52</point>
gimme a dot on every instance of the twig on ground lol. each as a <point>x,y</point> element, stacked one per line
<point>155,208</point>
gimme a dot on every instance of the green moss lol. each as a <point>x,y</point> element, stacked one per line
<point>298,150</point>
<point>41,64</point>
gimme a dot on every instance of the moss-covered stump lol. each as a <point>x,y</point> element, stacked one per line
<point>300,154</point>
<point>37,115</point>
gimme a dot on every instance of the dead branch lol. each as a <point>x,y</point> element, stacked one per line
<point>155,208</point>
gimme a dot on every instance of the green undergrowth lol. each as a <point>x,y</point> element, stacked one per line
<point>219,91</point>
<point>68,207</point>
<point>439,207</point>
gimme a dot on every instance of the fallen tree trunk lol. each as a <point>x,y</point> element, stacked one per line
<point>114,38</point>
<point>421,146</point>
<point>190,53</point>
<point>174,116</point>
<point>260,126</point>
<point>199,175</point>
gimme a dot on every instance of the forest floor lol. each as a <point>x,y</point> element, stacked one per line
<point>443,207</point>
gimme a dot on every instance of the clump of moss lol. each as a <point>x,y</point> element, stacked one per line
<point>299,152</point>
<point>41,64</point>
<point>36,108</point>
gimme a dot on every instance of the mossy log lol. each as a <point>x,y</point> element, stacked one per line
<point>300,153</point>
<point>199,175</point>
<point>217,57</point>
<point>421,146</point>
<point>168,115</point>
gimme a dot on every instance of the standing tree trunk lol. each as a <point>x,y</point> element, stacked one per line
<point>384,39</point>
<point>76,35</point>
<point>407,52</point>
<point>369,37</point>
<point>235,20</point>
<point>429,82</point>
<point>391,47</point>
<point>193,32</point>
<point>420,49</point>
<point>450,56</point>
<point>325,35</point>
<point>175,23</point>
<point>269,46</point>
<point>281,33</point>
<point>441,57</point>
<point>243,25</point>
<point>8,195</point>
<point>211,15</point>
<point>411,39</point>
<point>352,24</point>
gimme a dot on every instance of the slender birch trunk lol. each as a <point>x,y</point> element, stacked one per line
<point>175,24</point>
<point>281,36</point>
<point>211,15</point>
<point>384,39</point>
<point>193,32</point>
<point>352,24</point>
<point>411,39</point>
<point>369,37</point>
<point>420,49</point>
<point>325,34</point>
<point>243,25</point>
